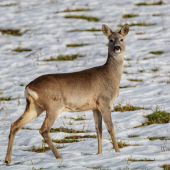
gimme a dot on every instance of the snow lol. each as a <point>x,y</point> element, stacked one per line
<point>46,33</point>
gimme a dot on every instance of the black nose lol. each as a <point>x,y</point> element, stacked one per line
<point>117,48</point>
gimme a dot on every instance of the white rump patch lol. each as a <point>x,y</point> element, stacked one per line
<point>32,93</point>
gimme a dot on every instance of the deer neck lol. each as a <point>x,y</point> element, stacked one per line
<point>114,65</point>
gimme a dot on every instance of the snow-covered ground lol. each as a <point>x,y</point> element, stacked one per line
<point>46,33</point>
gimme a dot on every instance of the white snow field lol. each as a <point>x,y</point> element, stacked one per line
<point>46,31</point>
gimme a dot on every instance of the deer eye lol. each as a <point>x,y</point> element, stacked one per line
<point>121,40</point>
<point>111,40</point>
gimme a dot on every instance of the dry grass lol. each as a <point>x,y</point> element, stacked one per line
<point>166,166</point>
<point>140,33</point>
<point>128,107</point>
<point>122,144</point>
<point>64,57</point>
<point>76,45</point>
<point>139,160</point>
<point>66,130</point>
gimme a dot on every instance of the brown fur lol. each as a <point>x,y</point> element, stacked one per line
<point>92,89</point>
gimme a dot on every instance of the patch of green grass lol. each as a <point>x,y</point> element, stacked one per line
<point>156,52</point>
<point>155,15</point>
<point>155,69</point>
<point>42,148</point>
<point>75,10</point>
<point>157,117</point>
<point>80,137</point>
<point>138,24</point>
<point>64,57</point>
<point>11,32</point>
<point>133,136</point>
<point>154,3</point>
<point>64,140</point>
<point>136,80</point>
<point>1,91</point>
<point>21,84</point>
<point>140,160</point>
<point>72,139</point>
<point>98,167</point>
<point>122,144</point>
<point>140,33</point>
<point>144,38</point>
<point>125,72</point>
<point>79,118</point>
<point>166,166</point>
<point>6,98</point>
<point>127,59</point>
<point>146,58</point>
<point>122,87</point>
<point>141,24</point>
<point>155,138</point>
<point>20,49</point>
<point>28,128</point>
<point>90,30</point>
<point>88,18</point>
<point>130,15</point>
<point>141,71</point>
<point>76,45</point>
<point>10,4</point>
<point>66,130</point>
<point>128,107</point>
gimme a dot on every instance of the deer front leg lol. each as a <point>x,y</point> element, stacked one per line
<point>98,125</point>
<point>106,114</point>
<point>45,129</point>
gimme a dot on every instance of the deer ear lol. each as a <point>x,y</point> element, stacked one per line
<point>124,30</point>
<point>106,30</point>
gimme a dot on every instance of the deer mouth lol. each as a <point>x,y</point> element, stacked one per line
<point>117,49</point>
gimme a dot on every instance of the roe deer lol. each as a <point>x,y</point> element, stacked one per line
<point>92,89</point>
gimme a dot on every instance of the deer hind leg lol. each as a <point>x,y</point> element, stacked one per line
<point>51,116</point>
<point>98,124</point>
<point>106,114</point>
<point>32,111</point>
